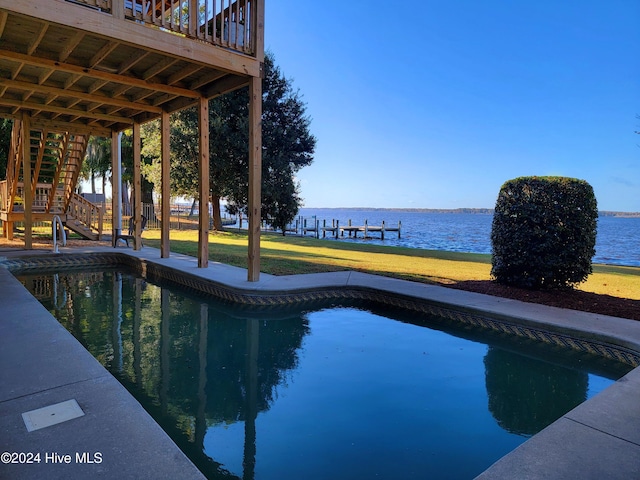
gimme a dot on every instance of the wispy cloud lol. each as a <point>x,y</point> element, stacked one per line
<point>623,181</point>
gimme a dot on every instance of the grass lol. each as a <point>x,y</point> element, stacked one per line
<point>300,255</point>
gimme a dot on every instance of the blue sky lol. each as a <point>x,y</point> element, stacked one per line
<point>435,104</point>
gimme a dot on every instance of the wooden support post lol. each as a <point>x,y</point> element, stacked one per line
<point>137,188</point>
<point>27,192</point>
<point>165,208</point>
<point>255,176</point>
<point>116,182</point>
<point>203,183</point>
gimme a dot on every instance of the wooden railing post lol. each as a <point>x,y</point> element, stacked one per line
<point>257,20</point>
<point>117,9</point>
<point>193,18</point>
<point>100,222</point>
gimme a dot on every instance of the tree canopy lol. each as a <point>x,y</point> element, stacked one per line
<point>5,144</point>
<point>287,146</point>
<point>97,162</point>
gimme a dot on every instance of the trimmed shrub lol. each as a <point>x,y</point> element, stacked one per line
<point>544,232</point>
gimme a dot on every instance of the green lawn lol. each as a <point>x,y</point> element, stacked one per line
<point>297,255</point>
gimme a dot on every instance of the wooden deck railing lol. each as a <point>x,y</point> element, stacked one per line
<point>80,209</point>
<point>224,23</point>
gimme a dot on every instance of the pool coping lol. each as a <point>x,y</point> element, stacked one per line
<point>597,436</point>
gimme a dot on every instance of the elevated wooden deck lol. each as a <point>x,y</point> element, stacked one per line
<point>98,67</point>
<point>93,66</point>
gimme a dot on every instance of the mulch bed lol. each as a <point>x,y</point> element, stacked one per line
<point>571,299</point>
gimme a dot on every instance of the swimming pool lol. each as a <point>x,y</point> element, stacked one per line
<point>342,390</point>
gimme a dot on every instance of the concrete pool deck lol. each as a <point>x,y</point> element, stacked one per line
<point>43,365</point>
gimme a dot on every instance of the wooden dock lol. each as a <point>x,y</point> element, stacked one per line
<point>353,230</point>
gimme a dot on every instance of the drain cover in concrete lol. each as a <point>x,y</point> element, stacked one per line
<point>52,415</point>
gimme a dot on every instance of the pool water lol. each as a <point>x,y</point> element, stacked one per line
<point>345,391</point>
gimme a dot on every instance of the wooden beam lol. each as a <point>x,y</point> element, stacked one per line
<point>185,72</point>
<point>255,176</point>
<point>137,187</point>
<point>159,68</point>
<point>206,78</point>
<point>96,74</point>
<point>103,53</point>
<point>37,39</point>
<point>125,66</point>
<point>116,182</point>
<point>225,85</point>
<point>89,97</point>
<point>27,195</point>
<point>203,183</point>
<point>72,43</point>
<point>165,129</point>
<point>44,76</point>
<point>97,85</point>
<point>112,26</point>
<point>63,111</point>
<point>3,21</point>
<point>84,129</point>
<point>71,81</point>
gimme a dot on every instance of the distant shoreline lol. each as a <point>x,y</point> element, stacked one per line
<point>478,211</point>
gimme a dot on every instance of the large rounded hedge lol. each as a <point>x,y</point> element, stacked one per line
<point>544,232</point>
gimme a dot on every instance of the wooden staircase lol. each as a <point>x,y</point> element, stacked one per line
<point>56,160</point>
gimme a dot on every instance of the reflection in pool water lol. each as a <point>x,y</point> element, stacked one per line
<point>346,391</point>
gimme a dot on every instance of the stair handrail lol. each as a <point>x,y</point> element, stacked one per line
<point>55,223</point>
<point>92,216</point>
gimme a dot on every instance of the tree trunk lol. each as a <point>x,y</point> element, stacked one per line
<point>93,182</point>
<point>217,218</point>
<point>193,207</point>
<point>126,201</point>
<point>147,200</point>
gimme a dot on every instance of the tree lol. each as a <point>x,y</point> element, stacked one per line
<point>6,125</point>
<point>287,146</point>
<point>97,162</point>
<point>183,154</point>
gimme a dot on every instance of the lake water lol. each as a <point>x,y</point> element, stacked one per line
<point>617,243</point>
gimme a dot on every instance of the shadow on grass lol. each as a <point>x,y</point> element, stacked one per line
<point>191,248</point>
<point>571,299</point>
